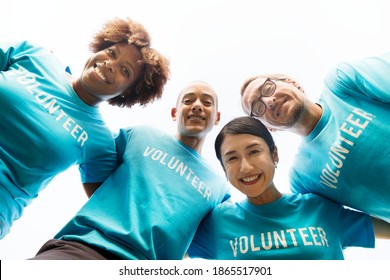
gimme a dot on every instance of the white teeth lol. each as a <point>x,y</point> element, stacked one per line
<point>100,74</point>
<point>250,179</point>
<point>196,117</point>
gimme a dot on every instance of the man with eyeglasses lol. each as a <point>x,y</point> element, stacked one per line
<point>345,153</point>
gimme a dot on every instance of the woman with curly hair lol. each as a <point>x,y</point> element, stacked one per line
<point>50,121</point>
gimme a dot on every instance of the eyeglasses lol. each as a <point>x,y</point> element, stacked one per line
<point>265,90</point>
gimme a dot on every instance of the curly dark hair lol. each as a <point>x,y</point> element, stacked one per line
<point>155,66</point>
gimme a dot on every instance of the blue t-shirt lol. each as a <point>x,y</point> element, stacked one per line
<point>295,226</point>
<point>44,129</point>
<point>151,206</point>
<point>347,155</point>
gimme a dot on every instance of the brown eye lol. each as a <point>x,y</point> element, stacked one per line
<point>111,52</point>
<point>208,103</point>
<point>188,101</point>
<point>268,88</point>
<point>125,72</point>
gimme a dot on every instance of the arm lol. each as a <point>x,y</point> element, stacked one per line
<point>94,173</point>
<point>381,228</point>
<point>367,77</point>
<point>12,53</point>
<point>90,188</point>
<point>121,143</point>
<point>7,52</point>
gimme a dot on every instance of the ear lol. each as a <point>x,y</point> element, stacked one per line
<point>272,129</point>
<point>218,118</point>
<point>173,114</point>
<point>275,155</point>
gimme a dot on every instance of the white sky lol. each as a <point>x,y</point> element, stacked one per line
<point>220,42</point>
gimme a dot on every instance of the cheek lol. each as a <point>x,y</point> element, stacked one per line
<point>184,110</point>
<point>246,105</point>
<point>230,173</point>
<point>271,170</point>
<point>212,116</point>
<point>88,63</point>
<point>268,120</point>
<point>122,83</point>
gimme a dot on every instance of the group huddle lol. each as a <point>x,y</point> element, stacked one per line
<point>152,196</point>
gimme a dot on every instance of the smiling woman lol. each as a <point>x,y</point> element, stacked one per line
<point>268,224</point>
<point>66,127</point>
<point>109,73</point>
<point>124,69</point>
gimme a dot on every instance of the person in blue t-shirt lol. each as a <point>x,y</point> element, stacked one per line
<point>151,206</point>
<point>268,224</point>
<point>344,154</point>
<point>50,121</point>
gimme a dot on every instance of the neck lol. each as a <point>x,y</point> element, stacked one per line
<point>85,97</point>
<point>270,195</point>
<point>195,143</point>
<point>308,120</point>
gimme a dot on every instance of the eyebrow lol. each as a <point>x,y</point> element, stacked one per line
<point>184,94</point>
<point>246,148</point>
<point>202,95</point>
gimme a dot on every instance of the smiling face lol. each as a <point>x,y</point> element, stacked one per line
<point>196,111</point>
<point>283,108</point>
<point>108,73</point>
<point>250,166</point>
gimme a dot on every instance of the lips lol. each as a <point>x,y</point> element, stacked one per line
<point>250,179</point>
<point>196,117</point>
<point>278,108</point>
<point>100,73</point>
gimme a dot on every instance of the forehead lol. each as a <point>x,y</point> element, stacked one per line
<point>128,52</point>
<point>199,89</point>
<point>254,85</point>
<point>241,143</point>
<point>251,93</point>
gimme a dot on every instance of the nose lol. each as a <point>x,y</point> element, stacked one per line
<point>245,166</point>
<point>197,106</point>
<point>109,65</point>
<point>269,102</point>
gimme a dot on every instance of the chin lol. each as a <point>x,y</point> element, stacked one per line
<point>195,129</point>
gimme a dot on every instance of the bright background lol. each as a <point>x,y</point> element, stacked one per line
<point>219,41</point>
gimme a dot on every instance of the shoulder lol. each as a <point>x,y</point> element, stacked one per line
<point>297,179</point>
<point>21,46</point>
<point>227,208</point>
<point>310,197</point>
<point>26,44</point>
<point>355,71</point>
<point>22,50</point>
<point>139,133</point>
<point>312,200</point>
<point>141,129</point>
